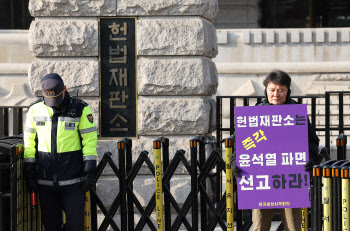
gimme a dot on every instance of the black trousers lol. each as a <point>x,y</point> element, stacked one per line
<point>70,199</point>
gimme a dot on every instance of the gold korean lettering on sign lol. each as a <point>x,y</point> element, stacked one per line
<point>116,29</point>
<point>122,73</point>
<point>117,120</point>
<point>118,55</point>
<point>118,96</point>
<point>113,52</point>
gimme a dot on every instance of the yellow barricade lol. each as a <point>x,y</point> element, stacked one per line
<point>229,185</point>
<point>87,214</point>
<point>327,203</point>
<point>345,198</point>
<point>158,184</point>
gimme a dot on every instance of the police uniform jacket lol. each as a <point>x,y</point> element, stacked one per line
<point>60,143</point>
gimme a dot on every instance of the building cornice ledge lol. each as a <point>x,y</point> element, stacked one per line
<point>14,68</point>
<point>289,67</point>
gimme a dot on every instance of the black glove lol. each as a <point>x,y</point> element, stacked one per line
<point>309,165</point>
<point>88,182</point>
<point>30,176</point>
<point>236,171</point>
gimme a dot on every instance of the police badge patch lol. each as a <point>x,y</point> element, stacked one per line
<point>90,118</point>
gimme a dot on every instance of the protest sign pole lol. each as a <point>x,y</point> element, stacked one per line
<point>229,185</point>
<point>327,195</point>
<point>158,184</point>
<point>345,198</point>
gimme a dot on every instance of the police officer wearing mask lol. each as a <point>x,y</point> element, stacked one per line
<point>60,142</point>
<point>277,92</point>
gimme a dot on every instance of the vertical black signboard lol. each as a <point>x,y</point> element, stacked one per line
<point>118,113</point>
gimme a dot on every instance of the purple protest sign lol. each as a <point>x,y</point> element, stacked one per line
<point>272,149</point>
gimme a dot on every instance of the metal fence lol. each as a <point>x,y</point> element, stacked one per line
<point>11,120</point>
<point>320,108</point>
<point>16,212</point>
<point>199,167</point>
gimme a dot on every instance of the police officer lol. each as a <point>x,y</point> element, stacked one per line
<point>60,141</point>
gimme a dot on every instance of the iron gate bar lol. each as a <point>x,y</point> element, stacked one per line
<point>341,112</point>
<point>219,211</point>
<point>4,118</point>
<point>122,186</point>
<point>1,196</point>
<point>108,220</point>
<point>247,223</point>
<point>145,216</point>
<point>214,157</point>
<point>1,222</point>
<point>336,190</point>
<point>181,217</point>
<point>129,181</point>
<point>194,184</point>
<point>327,131</point>
<point>101,165</point>
<point>316,202</point>
<point>313,112</point>
<point>218,119</point>
<point>167,208</point>
<point>117,201</point>
<point>130,205</point>
<point>280,227</point>
<point>341,147</point>
<point>182,212</point>
<point>201,160</point>
<point>13,191</point>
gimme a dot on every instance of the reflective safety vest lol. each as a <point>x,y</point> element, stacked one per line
<point>61,142</point>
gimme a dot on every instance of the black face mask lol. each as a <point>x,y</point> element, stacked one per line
<point>63,105</point>
<point>287,98</point>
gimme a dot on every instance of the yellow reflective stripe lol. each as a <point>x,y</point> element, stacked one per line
<point>88,130</point>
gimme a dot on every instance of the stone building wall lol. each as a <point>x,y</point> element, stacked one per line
<point>176,41</point>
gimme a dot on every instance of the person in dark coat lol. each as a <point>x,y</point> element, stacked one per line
<point>277,92</point>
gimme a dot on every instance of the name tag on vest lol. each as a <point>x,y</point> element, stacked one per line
<point>40,123</point>
<point>69,126</point>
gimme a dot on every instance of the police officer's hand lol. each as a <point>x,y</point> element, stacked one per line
<point>88,182</point>
<point>235,170</point>
<point>308,166</point>
<point>32,184</point>
<point>30,176</point>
